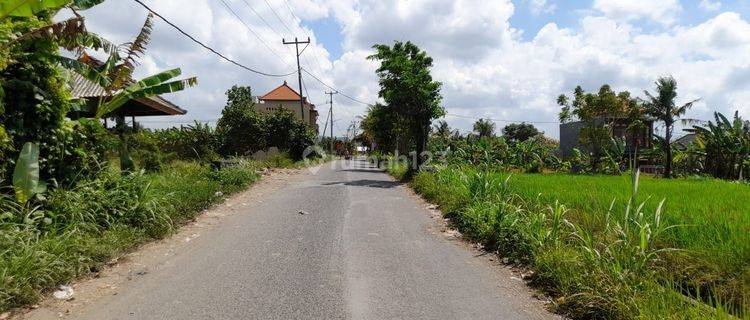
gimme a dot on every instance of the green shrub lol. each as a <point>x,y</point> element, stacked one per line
<point>279,161</point>
<point>110,200</point>
<point>95,220</point>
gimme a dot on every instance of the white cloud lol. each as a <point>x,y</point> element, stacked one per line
<point>661,11</point>
<point>538,7</point>
<point>486,68</point>
<point>709,5</point>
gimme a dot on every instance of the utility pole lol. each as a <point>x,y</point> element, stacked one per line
<point>296,44</point>
<point>330,100</point>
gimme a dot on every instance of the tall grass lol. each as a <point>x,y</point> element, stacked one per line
<point>86,225</point>
<point>714,216</point>
<point>601,258</point>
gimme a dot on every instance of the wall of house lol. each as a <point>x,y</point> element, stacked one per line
<point>293,106</point>
<point>569,138</point>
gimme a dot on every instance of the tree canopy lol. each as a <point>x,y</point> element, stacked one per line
<point>520,132</point>
<point>484,128</point>
<point>408,89</point>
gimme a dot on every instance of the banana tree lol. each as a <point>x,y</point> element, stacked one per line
<point>115,76</point>
<point>29,8</point>
<point>725,145</point>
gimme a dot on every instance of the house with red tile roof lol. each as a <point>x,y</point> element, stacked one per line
<point>285,97</point>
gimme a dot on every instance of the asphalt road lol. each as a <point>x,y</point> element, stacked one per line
<point>365,248</point>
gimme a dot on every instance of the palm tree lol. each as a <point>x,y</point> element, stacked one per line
<point>442,129</point>
<point>484,128</point>
<point>663,108</point>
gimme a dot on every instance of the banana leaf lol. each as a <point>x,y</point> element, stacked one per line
<point>28,8</point>
<point>26,182</point>
<point>147,87</point>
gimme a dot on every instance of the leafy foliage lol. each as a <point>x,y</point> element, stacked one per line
<point>407,87</point>
<point>287,133</point>
<point>520,131</point>
<point>724,147</point>
<point>26,181</point>
<point>380,126</point>
<point>241,128</point>
<point>484,128</point>
<point>598,111</point>
<point>35,103</point>
<point>663,107</point>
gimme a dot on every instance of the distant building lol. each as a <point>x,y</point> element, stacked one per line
<point>285,97</point>
<point>570,135</point>
<point>685,141</point>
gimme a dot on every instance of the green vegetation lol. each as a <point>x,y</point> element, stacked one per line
<point>598,113</point>
<point>412,97</point>
<point>663,108</point>
<point>75,230</point>
<point>242,130</point>
<point>722,148</point>
<point>601,263</point>
<point>66,206</point>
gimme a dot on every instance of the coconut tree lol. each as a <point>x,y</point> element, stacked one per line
<point>442,129</point>
<point>484,128</point>
<point>663,107</point>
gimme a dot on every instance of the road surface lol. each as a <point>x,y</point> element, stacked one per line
<point>346,242</point>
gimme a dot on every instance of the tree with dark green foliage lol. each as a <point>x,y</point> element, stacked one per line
<point>484,128</point>
<point>34,98</point>
<point>241,129</point>
<point>379,127</point>
<point>663,107</point>
<point>287,133</point>
<point>724,146</point>
<point>519,132</point>
<point>406,85</point>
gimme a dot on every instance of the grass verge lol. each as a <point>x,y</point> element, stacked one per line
<point>605,260</point>
<point>76,230</point>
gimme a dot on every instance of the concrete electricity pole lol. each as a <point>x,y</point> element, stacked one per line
<point>330,100</point>
<point>296,44</point>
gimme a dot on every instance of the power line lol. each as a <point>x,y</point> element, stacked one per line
<point>212,50</point>
<point>334,89</point>
<point>251,30</point>
<point>500,120</point>
<point>278,17</point>
<point>298,23</point>
<point>261,18</point>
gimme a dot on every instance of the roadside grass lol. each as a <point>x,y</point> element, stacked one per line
<point>714,219</point>
<point>94,221</point>
<point>630,262</point>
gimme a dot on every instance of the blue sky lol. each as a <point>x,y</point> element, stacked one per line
<point>566,14</point>
<point>499,59</point>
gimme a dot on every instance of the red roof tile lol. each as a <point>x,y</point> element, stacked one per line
<point>283,93</point>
